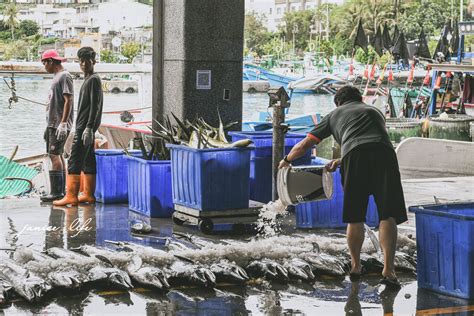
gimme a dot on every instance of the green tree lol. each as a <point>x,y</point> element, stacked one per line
<point>107,56</point>
<point>297,24</point>
<point>429,15</point>
<point>16,50</point>
<point>130,50</point>
<point>28,28</point>
<point>9,16</point>
<point>256,34</point>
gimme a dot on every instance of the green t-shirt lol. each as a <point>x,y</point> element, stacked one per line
<point>353,124</point>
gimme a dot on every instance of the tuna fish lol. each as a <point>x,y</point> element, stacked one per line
<point>57,273</point>
<point>24,283</point>
<point>371,264</point>
<point>181,273</point>
<point>299,269</point>
<point>99,272</point>
<point>132,264</point>
<point>228,272</point>
<point>5,291</point>
<point>324,264</point>
<point>267,269</point>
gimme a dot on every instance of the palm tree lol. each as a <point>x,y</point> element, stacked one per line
<point>9,17</point>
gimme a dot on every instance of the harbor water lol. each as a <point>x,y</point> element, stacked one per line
<point>24,123</point>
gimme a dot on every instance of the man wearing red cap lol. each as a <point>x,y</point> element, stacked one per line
<point>59,118</point>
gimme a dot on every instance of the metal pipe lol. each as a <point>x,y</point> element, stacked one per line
<point>158,53</point>
<point>278,144</point>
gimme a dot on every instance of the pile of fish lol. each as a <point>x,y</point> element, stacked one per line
<point>187,260</point>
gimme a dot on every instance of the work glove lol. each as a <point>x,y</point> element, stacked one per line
<point>61,132</point>
<point>87,136</point>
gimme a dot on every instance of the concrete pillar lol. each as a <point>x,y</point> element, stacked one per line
<point>202,59</point>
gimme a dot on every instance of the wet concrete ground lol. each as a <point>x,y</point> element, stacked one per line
<point>24,222</point>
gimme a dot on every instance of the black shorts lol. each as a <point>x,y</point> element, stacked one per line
<point>53,145</point>
<point>372,169</point>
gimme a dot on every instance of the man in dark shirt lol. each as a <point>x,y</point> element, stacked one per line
<point>89,113</point>
<point>59,118</point>
<point>369,166</point>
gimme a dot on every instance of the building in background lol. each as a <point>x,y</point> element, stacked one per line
<point>274,10</point>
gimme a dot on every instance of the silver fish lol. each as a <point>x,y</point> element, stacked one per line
<point>5,290</point>
<point>181,273</point>
<point>67,278</point>
<point>267,269</point>
<point>226,271</point>
<point>132,264</point>
<point>371,264</point>
<point>324,264</point>
<point>27,285</point>
<point>299,269</point>
<point>140,227</point>
<point>99,272</point>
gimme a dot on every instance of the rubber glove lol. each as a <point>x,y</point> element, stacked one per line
<point>87,137</point>
<point>61,132</point>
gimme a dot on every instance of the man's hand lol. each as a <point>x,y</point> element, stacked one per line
<point>283,164</point>
<point>61,132</point>
<point>87,137</point>
<point>333,164</point>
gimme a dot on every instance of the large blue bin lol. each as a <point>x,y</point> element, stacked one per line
<point>112,175</point>
<point>149,187</point>
<point>328,213</point>
<point>445,248</point>
<point>210,179</point>
<point>261,161</point>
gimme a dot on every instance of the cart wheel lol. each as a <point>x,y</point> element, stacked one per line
<point>177,220</point>
<point>205,226</point>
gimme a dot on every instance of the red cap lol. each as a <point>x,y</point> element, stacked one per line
<point>53,54</point>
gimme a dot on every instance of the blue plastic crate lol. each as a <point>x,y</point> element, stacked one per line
<point>112,175</point>
<point>328,213</point>
<point>149,187</point>
<point>261,161</point>
<point>210,179</point>
<point>445,248</point>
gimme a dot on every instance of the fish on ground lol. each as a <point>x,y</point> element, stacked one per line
<point>6,290</point>
<point>99,272</point>
<point>298,269</point>
<point>59,274</point>
<point>27,285</point>
<point>268,269</point>
<point>228,272</point>
<point>132,264</point>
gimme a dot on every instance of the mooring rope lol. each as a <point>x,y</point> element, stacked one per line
<point>15,97</point>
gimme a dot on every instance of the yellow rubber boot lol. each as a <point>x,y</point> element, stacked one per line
<point>73,181</point>
<point>87,195</point>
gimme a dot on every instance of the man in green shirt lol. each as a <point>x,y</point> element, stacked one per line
<point>369,166</point>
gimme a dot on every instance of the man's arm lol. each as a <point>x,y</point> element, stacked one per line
<point>67,107</point>
<point>313,138</point>
<point>95,96</point>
